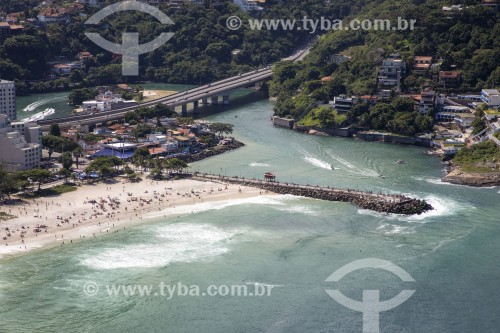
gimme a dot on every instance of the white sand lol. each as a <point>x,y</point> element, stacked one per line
<point>72,216</point>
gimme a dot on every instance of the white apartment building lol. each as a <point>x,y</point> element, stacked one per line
<point>491,97</point>
<point>343,103</point>
<point>8,99</point>
<point>20,145</point>
<point>391,72</point>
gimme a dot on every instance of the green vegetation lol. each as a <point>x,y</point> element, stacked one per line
<point>54,130</point>
<point>105,166</point>
<point>200,50</point>
<point>50,192</point>
<point>482,157</point>
<point>465,40</point>
<point>323,117</point>
<point>158,111</point>
<point>77,96</point>
<point>221,128</point>
<point>58,144</point>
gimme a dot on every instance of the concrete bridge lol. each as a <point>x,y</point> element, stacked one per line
<point>213,93</point>
<point>383,203</point>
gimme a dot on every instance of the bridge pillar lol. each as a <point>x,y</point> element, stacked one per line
<point>204,101</point>
<point>215,100</point>
<point>225,99</point>
<point>195,106</point>
<point>184,110</point>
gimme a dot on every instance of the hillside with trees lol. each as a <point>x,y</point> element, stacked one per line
<point>465,40</point>
<point>200,51</point>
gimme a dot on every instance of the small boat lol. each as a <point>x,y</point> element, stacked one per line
<point>400,162</point>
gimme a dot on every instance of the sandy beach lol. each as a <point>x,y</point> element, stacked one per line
<point>103,208</point>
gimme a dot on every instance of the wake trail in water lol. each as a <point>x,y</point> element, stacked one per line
<point>350,166</point>
<point>33,106</point>
<point>39,115</point>
<point>258,164</point>
<point>313,160</point>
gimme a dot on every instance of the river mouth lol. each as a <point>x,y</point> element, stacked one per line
<point>289,242</point>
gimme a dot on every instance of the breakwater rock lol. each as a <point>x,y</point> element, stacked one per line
<point>383,203</point>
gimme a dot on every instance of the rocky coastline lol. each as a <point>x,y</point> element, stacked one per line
<point>460,177</point>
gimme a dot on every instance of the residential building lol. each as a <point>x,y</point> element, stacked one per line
<point>20,145</point>
<point>170,146</point>
<point>343,103</point>
<point>450,79</point>
<point>62,69</point>
<point>391,72</point>
<point>426,101</point>
<point>463,119</point>
<point>421,64</point>
<point>455,109</point>
<point>451,147</point>
<point>13,17</point>
<point>8,99</point>
<point>157,137</point>
<point>491,97</point>
<point>54,15</point>
<point>495,127</point>
<point>84,56</point>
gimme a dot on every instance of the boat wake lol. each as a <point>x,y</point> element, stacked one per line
<point>317,162</point>
<point>39,116</point>
<point>349,166</point>
<point>258,164</point>
<point>33,106</point>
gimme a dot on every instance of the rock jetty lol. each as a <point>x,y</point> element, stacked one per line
<point>383,203</point>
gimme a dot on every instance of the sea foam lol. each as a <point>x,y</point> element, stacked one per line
<point>270,200</point>
<point>181,242</point>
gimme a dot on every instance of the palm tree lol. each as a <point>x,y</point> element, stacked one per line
<point>77,153</point>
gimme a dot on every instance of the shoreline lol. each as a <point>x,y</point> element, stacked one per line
<point>103,208</point>
<point>474,179</point>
